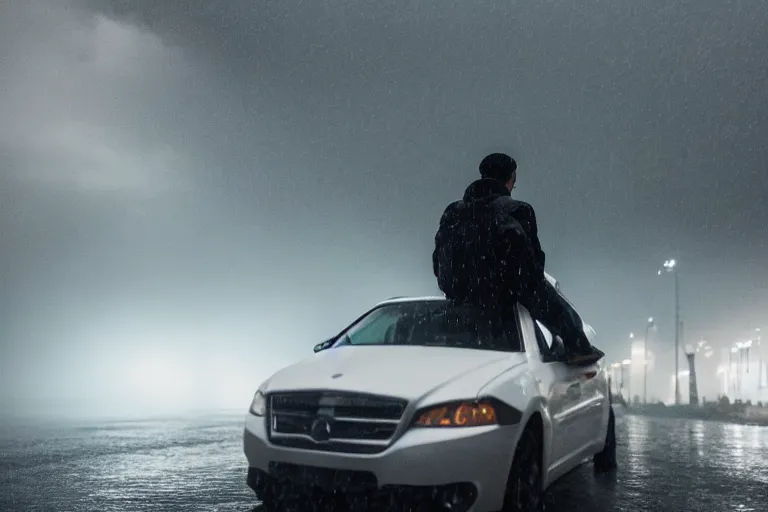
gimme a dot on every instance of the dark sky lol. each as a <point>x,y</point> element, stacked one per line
<point>183,182</point>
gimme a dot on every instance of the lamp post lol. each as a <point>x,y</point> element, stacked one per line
<point>648,327</point>
<point>625,363</point>
<point>733,374</point>
<point>759,360</point>
<point>741,349</point>
<point>615,378</point>
<point>631,361</point>
<point>670,266</point>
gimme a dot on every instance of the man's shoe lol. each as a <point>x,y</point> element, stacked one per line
<point>586,357</point>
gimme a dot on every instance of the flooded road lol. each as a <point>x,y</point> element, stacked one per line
<point>197,465</point>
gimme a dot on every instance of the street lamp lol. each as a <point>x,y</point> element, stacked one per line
<point>617,377</point>
<point>733,372</point>
<point>742,350</point>
<point>670,266</point>
<point>648,327</point>
<point>629,361</point>
<point>759,360</point>
<point>624,364</point>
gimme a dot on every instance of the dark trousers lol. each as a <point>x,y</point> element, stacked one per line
<point>549,307</point>
<point>542,301</point>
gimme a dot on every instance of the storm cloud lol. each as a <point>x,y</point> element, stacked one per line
<point>188,180</point>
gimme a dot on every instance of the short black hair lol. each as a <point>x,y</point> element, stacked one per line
<point>498,166</point>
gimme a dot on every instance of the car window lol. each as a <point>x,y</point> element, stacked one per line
<point>436,323</point>
<point>378,328</point>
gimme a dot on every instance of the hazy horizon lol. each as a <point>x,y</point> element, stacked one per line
<point>192,195</point>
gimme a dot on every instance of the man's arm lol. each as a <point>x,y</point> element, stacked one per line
<point>435,267</point>
<point>527,218</point>
<point>445,219</point>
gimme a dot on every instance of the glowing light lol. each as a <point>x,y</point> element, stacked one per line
<point>668,266</point>
<point>626,362</point>
<point>459,415</point>
<point>650,319</point>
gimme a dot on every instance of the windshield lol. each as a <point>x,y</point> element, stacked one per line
<point>435,324</point>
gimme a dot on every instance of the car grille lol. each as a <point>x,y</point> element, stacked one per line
<point>335,422</point>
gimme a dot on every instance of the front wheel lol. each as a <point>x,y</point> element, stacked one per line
<point>606,460</point>
<point>276,497</point>
<point>524,486</point>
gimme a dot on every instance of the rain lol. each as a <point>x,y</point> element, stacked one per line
<point>195,194</point>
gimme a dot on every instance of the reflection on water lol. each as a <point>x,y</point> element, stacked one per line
<point>197,465</point>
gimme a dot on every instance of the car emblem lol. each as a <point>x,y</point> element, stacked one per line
<point>321,430</point>
<point>337,375</point>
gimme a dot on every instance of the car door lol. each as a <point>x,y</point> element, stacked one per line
<point>569,400</point>
<point>595,395</point>
<point>593,390</point>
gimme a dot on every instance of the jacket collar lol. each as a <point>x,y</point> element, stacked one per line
<point>484,188</point>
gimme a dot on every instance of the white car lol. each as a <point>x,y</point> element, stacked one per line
<point>424,403</point>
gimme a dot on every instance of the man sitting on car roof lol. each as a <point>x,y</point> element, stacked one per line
<point>487,252</point>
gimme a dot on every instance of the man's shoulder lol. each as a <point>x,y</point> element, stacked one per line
<point>521,204</point>
<point>453,207</point>
<point>515,206</point>
<point>451,213</point>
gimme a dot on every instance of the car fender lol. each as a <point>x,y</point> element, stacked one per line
<point>518,388</point>
<point>538,405</point>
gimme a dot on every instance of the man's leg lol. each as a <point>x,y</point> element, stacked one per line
<point>549,307</point>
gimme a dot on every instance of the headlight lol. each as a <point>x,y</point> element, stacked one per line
<point>468,414</point>
<point>259,404</point>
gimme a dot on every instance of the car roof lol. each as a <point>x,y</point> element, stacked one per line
<point>400,300</point>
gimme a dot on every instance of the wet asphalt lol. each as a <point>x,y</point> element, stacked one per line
<point>196,464</point>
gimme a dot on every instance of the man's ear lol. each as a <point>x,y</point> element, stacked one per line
<point>512,181</point>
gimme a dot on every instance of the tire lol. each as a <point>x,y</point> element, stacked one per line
<point>524,491</point>
<point>272,498</point>
<point>278,498</point>
<point>605,461</point>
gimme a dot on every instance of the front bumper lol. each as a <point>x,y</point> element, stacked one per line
<point>476,459</point>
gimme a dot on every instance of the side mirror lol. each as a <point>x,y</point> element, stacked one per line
<point>324,345</point>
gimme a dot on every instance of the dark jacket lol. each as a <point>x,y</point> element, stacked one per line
<point>500,258</point>
<point>515,233</point>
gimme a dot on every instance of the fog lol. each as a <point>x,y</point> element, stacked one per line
<point>198,192</point>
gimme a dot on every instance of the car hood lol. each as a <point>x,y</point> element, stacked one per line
<point>408,372</point>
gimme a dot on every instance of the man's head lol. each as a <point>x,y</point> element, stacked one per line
<point>500,167</point>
